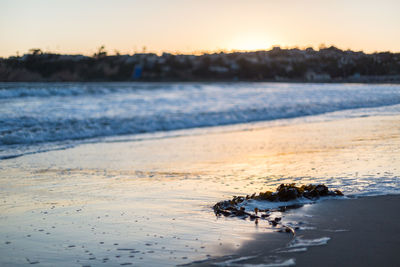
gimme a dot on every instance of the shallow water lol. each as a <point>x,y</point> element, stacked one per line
<point>149,202</point>
<point>41,116</point>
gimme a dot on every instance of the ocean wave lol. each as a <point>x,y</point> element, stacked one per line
<point>31,130</point>
<point>18,90</point>
<point>31,114</point>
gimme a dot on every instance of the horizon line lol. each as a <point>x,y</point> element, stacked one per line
<point>116,52</point>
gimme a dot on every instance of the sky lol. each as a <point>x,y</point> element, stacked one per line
<point>196,26</point>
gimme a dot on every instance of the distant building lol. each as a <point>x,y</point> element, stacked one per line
<point>317,77</point>
<point>137,72</point>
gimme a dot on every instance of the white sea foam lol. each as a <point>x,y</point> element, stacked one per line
<point>237,262</point>
<point>336,230</point>
<point>294,250</point>
<point>300,242</point>
<point>234,261</point>
<point>288,262</point>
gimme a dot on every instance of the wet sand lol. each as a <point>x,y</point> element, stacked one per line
<point>372,236</point>
<point>347,232</point>
<point>148,202</point>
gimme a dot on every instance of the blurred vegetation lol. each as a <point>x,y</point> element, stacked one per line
<point>328,64</point>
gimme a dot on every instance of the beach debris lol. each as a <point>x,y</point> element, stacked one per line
<point>285,197</point>
<point>287,229</point>
<point>285,194</point>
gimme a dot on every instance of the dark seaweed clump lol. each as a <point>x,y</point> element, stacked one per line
<point>284,193</point>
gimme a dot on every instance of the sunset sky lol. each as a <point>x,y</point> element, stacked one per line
<point>186,26</point>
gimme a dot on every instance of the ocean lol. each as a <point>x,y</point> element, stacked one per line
<point>37,117</point>
<point>132,171</point>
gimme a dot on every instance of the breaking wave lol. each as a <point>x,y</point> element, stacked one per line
<point>35,113</point>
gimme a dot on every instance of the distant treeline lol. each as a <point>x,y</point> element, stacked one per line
<point>297,65</point>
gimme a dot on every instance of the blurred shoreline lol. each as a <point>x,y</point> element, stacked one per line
<point>327,65</point>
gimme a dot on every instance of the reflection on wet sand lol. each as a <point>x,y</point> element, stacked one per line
<point>150,202</point>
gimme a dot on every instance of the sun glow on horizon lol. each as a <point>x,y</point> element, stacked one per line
<point>249,42</point>
<point>179,26</point>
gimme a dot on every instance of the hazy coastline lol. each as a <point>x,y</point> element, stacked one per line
<point>328,64</point>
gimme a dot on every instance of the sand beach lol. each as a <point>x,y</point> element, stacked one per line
<point>148,202</point>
